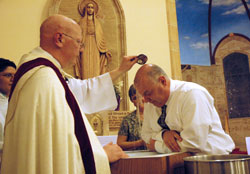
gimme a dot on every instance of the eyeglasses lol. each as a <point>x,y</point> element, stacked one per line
<point>78,41</point>
<point>7,75</point>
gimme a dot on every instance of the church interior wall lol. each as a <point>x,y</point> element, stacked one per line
<point>147,31</point>
<point>145,22</point>
<point>212,78</point>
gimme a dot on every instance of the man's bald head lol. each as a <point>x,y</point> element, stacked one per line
<point>54,24</point>
<point>149,71</point>
<point>61,37</point>
<point>153,84</point>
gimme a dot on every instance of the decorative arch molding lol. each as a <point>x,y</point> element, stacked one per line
<point>112,18</point>
<point>228,45</point>
<point>212,55</point>
<point>233,42</point>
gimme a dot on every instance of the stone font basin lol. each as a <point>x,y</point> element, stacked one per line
<point>145,162</point>
<point>146,154</point>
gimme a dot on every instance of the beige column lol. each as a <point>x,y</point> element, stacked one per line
<point>173,40</point>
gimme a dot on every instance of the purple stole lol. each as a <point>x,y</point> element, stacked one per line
<point>80,129</point>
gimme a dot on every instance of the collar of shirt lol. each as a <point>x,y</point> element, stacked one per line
<point>39,49</point>
<point>66,76</point>
<point>3,97</point>
<point>39,52</point>
<point>45,54</point>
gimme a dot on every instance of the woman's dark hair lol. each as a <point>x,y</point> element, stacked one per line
<point>131,92</point>
<point>4,63</point>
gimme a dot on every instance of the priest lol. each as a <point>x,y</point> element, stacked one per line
<point>46,131</point>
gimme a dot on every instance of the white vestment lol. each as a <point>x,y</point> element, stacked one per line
<point>39,127</point>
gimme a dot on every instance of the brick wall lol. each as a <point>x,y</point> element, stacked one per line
<point>212,78</point>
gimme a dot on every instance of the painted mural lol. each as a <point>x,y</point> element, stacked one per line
<point>203,23</point>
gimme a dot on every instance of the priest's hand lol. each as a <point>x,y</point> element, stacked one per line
<point>170,138</point>
<point>127,63</point>
<point>114,152</point>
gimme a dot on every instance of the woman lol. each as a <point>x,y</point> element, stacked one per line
<point>129,135</point>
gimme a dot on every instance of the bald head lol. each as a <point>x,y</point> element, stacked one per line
<point>150,72</point>
<point>61,37</point>
<point>153,84</point>
<point>54,24</point>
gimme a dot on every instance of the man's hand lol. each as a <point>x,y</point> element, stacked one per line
<point>114,152</point>
<point>170,138</point>
<point>151,145</point>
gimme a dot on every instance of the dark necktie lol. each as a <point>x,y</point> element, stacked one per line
<point>161,120</point>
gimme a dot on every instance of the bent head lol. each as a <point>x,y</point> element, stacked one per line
<point>7,72</point>
<point>61,37</point>
<point>153,84</point>
<point>133,98</point>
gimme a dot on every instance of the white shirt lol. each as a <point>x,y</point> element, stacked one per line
<point>3,112</point>
<point>191,112</point>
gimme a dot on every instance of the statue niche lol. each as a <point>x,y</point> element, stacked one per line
<point>94,59</point>
<point>110,17</point>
